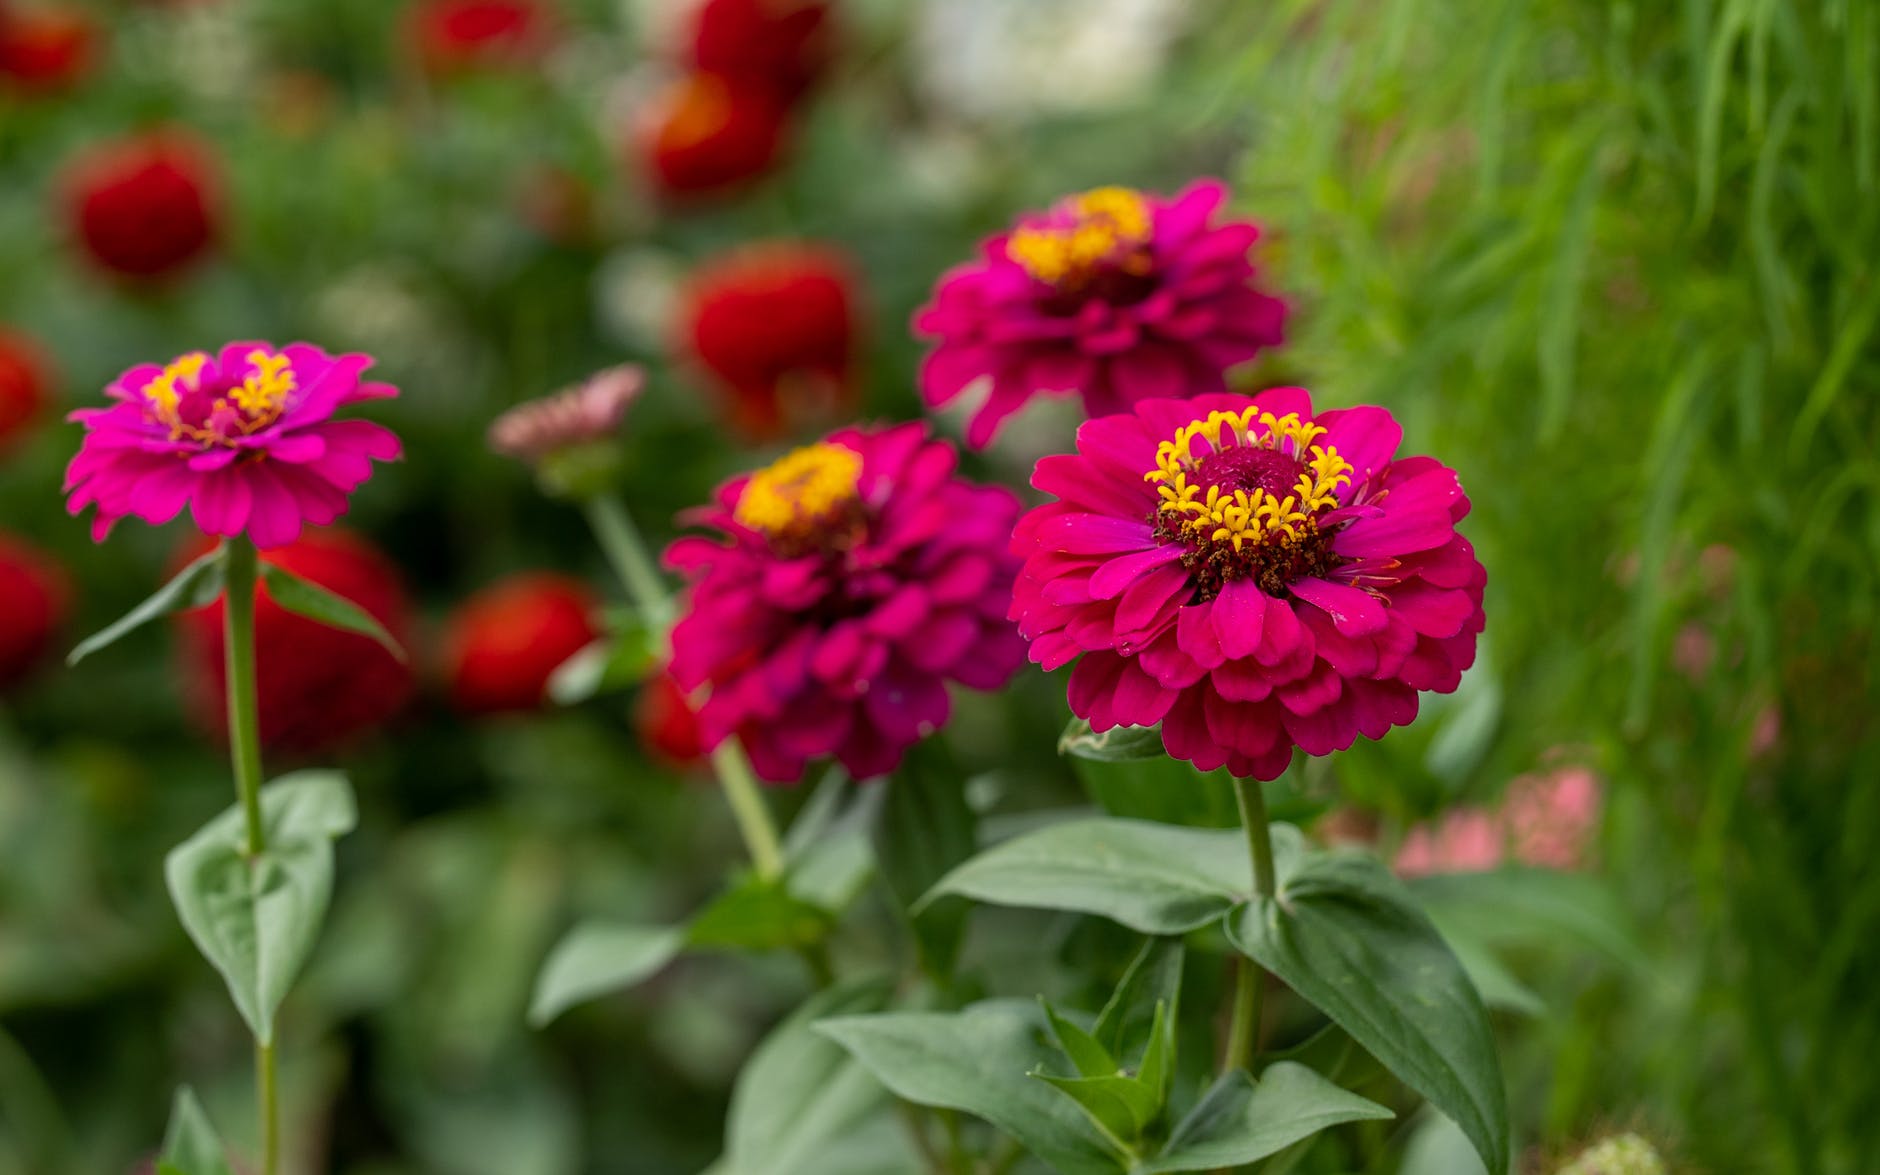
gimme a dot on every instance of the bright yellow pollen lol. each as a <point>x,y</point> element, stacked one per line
<point>1248,516</point>
<point>163,394</point>
<point>264,393</point>
<point>803,486</point>
<point>1107,220</point>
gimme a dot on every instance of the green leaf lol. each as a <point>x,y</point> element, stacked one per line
<point>1158,1060</point>
<point>1119,744</point>
<point>190,1145</point>
<point>1126,1025</point>
<point>195,586</point>
<point>1089,1058</point>
<point>1438,1147</point>
<point>256,921</point>
<point>596,958</point>
<point>758,915</point>
<point>926,829</point>
<point>1241,1121</point>
<point>1346,935</point>
<point>304,598</point>
<point>1121,1108</point>
<point>976,1061</point>
<point>616,662</point>
<point>1149,877</point>
<point>800,1093</point>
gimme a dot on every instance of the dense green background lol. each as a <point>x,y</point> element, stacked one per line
<point>1614,261</point>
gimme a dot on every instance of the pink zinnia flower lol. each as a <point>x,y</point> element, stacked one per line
<point>1115,294</point>
<point>851,580</point>
<point>1250,576</point>
<point>245,438</point>
<point>1553,816</point>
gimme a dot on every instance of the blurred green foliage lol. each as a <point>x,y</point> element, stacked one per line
<point>1614,261</point>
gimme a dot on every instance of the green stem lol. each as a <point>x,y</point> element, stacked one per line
<point>626,550</point>
<point>748,808</point>
<point>244,710</point>
<point>1250,982</point>
<point>620,540</point>
<point>240,570</point>
<point>270,1109</point>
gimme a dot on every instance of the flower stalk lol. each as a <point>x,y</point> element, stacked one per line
<point>240,571</point>
<point>1250,979</point>
<point>621,542</point>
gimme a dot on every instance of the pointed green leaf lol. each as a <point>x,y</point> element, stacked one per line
<point>758,915</point>
<point>1088,1057</point>
<point>1241,1121</point>
<point>1153,980</point>
<point>304,598</point>
<point>191,1145</point>
<point>976,1061</point>
<point>1149,877</point>
<point>596,958</point>
<point>195,586</point>
<point>256,921</point>
<point>800,1093</point>
<point>1346,936</point>
<point>1121,1108</point>
<point>1158,1060</point>
<point>1119,744</point>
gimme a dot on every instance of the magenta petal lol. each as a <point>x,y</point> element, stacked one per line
<point>1355,611</point>
<point>1109,580</point>
<point>221,503</point>
<point>1094,534</point>
<point>1194,628</point>
<point>1398,532</point>
<point>1240,617</point>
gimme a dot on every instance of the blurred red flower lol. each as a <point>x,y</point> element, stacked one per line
<point>319,687</point>
<point>33,597</point>
<point>146,206</point>
<point>774,325</point>
<point>505,642</point>
<point>783,44</point>
<point>25,385</point>
<point>664,719</point>
<point>453,36</point>
<point>708,134</point>
<point>46,50</point>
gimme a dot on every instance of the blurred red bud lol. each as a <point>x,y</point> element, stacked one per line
<point>505,642</point>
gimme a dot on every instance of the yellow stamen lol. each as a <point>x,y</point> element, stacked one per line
<point>1248,516</point>
<point>264,393</point>
<point>163,392</point>
<point>1106,222</point>
<point>803,486</point>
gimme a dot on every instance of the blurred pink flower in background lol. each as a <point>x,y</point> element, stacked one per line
<point>1546,820</point>
<point>1114,294</point>
<point>590,411</point>
<point>246,439</point>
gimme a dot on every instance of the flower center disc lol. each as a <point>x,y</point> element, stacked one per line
<point>1244,491</point>
<point>222,412</point>
<point>803,494</point>
<point>1101,232</point>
